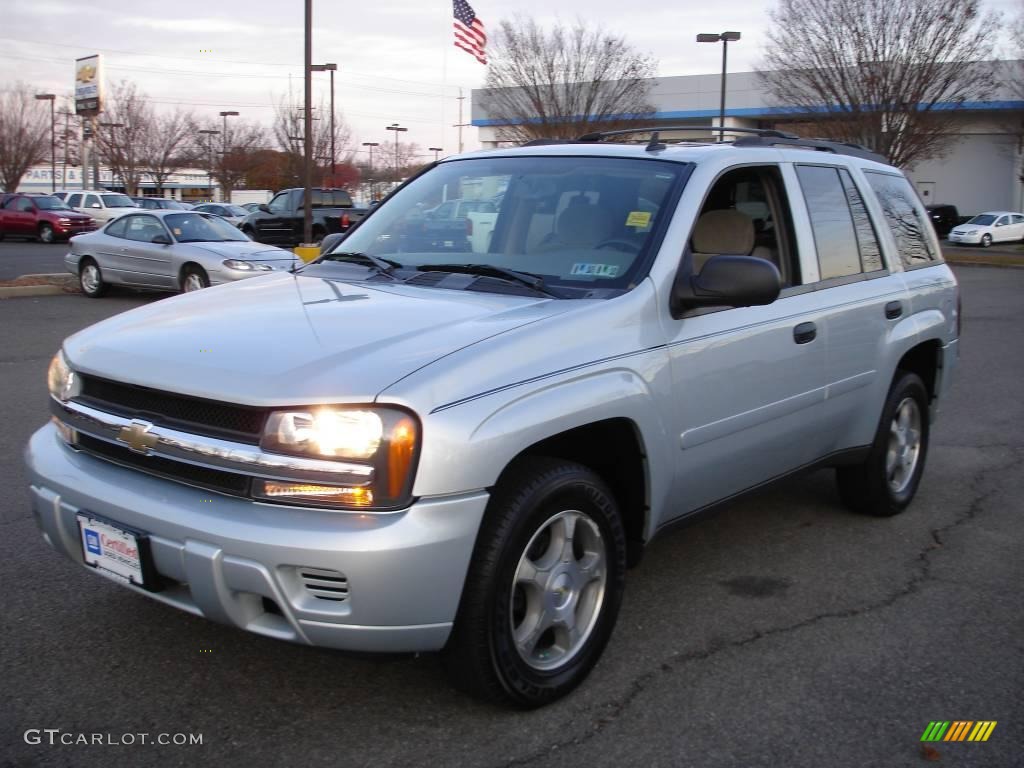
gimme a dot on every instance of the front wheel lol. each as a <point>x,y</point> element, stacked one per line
<point>544,587</point>
<point>194,279</point>
<point>90,279</point>
<point>887,480</point>
<point>46,233</point>
<point>986,240</point>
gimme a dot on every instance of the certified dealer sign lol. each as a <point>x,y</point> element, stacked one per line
<point>88,85</point>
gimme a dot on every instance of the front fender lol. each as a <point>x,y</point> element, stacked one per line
<point>469,446</point>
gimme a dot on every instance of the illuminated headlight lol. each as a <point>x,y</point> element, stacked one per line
<point>385,439</point>
<point>247,266</point>
<point>64,384</point>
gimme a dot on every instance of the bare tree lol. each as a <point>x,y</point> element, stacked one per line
<point>884,73</point>
<point>563,82</point>
<point>234,154</point>
<point>24,133</point>
<point>396,164</point>
<point>163,146</point>
<point>289,133</point>
<point>123,130</point>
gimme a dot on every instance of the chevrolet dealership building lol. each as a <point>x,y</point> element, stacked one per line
<point>980,171</point>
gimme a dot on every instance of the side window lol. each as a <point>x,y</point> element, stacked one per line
<point>831,219</point>
<point>746,214</point>
<point>905,217</point>
<point>117,228</point>
<point>92,201</point>
<point>25,205</point>
<point>1002,221</point>
<point>74,201</point>
<point>1018,219</point>
<point>867,240</point>
<point>279,204</point>
<point>142,228</point>
<point>12,204</point>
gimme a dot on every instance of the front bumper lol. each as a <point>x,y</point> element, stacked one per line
<point>969,239</point>
<point>243,563</point>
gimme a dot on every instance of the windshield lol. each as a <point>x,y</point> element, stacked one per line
<point>236,210</point>
<point>201,228</point>
<point>984,219</point>
<point>580,222</point>
<point>118,201</point>
<point>50,204</point>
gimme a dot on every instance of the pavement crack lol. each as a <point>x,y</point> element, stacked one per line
<point>921,567</point>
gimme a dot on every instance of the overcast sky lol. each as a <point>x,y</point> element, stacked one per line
<point>395,58</point>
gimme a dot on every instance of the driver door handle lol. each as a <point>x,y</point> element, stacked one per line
<point>805,333</point>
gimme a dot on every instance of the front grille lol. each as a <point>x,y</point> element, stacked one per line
<point>243,424</point>
<point>211,479</point>
<point>324,584</point>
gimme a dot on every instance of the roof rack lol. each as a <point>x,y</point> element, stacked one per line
<point>598,135</point>
<point>818,145</point>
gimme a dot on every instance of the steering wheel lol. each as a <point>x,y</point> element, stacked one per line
<point>619,245</point>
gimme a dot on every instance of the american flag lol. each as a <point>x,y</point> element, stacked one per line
<point>469,31</point>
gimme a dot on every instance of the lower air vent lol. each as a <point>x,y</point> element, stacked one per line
<point>324,585</point>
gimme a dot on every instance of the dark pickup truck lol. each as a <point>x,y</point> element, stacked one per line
<point>281,220</point>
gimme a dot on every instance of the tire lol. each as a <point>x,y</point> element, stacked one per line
<point>526,577</point>
<point>46,234</point>
<point>194,278</point>
<point>90,279</point>
<point>986,240</point>
<point>888,479</point>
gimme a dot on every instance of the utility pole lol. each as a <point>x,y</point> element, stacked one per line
<point>307,195</point>
<point>460,125</point>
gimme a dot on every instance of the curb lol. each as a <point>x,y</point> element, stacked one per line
<point>11,291</point>
<point>983,262</point>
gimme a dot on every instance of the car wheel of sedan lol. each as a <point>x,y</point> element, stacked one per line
<point>986,240</point>
<point>544,586</point>
<point>194,279</point>
<point>90,279</point>
<point>46,233</point>
<point>887,480</point>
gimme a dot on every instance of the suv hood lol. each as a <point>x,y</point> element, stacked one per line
<point>288,339</point>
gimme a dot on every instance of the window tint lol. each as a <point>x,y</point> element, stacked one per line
<point>905,217</point>
<point>12,204</point>
<point>116,229</point>
<point>279,204</point>
<point>24,205</point>
<point>1018,219</point>
<point>142,228</point>
<point>1002,221</point>
<point>75,201</point>
<point>91,201</point>
<point>834,236</point>
<point>867,241</point>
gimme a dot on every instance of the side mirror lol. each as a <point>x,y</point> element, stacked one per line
<point>160,239</point>
<point>264,207</point>
<point>730,281</point>
<point>328,243</point>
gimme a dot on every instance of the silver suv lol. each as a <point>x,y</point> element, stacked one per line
<point>426,441</point>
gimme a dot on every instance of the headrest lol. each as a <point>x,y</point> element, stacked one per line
<point>724,231</point>
<point>587,224</point>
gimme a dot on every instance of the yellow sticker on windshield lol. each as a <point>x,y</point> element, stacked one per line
<point>177,231</point>
<point>638,219</point>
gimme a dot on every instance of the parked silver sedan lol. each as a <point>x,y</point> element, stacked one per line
<point>170,250</point>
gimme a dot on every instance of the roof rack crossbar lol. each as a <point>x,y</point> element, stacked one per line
<point>598,135</point>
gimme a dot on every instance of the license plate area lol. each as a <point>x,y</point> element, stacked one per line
<point>117,552</point>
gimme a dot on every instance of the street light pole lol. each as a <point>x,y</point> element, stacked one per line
<point>307,195</point>
<point>371,145</point>
<point>224,147</point>
<point>397,129</point>
<point>52,98</point>
<point>725,38</point>
<point>332,68</point>
<point>435,150</point>
<point>209,149</point>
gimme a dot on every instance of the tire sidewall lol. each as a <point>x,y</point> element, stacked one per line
<point>46,234</point>
<point>81,283</point>
<point>526,685</point>
<point>906,385</point>
<point>200,273</point>
<point>986,240</point>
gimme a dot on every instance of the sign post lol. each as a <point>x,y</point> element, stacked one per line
<point>88,104</point>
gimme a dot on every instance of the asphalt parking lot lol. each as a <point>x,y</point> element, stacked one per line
<point>782,631</point>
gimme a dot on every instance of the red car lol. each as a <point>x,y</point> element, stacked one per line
<point>41,217</point>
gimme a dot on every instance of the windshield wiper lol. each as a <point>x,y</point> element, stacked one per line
<point>530,280</point>
<point>383,266</point>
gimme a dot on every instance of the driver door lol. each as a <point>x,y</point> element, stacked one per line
<point>274,227</point>
<point>145,262</point>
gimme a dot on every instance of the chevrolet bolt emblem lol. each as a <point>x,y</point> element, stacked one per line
<point>137,437</point>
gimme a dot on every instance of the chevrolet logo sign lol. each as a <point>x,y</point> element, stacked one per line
<point>138,437</point>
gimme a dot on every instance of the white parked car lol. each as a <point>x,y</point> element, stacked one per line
<point>987,228</point>
<point>233,213</point>
<point>102,206</point>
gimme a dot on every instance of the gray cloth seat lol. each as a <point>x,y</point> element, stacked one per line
<point>579,226</point>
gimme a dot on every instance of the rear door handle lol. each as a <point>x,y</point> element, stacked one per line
<point>804,333</point>
<point>893,309</point>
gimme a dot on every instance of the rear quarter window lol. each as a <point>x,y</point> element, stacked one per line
<point>906,218</point>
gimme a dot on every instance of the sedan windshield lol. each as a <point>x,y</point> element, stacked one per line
<point>48,203</point>
<point>575,222</point>
<point>201,228</point>
<point>118,201</point>
<point>983,219</point>
<point>236,210</point>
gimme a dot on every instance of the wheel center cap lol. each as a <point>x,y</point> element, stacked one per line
<point>561,590</point>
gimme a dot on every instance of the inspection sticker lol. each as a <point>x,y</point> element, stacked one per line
<point>595,270</point>
<point>638,219</point>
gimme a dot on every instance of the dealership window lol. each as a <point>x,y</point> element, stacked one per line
<point>906,218</point>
